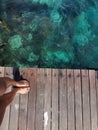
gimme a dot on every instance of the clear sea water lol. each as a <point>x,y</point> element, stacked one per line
<point>49,33</point>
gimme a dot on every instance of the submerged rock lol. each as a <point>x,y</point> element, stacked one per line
<point>15,42</point>
<point>55,16</point>
<point>32,57</point>
<point>58,59</point>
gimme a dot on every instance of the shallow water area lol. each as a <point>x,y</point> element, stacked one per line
<point>49,34</point>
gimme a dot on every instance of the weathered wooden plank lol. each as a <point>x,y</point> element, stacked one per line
<point>93,100</point>
<point>31,100</point>
<point>14,111</point>
<point>96,80</point>
<point>54,99</point>
<point>70,91</point>
<point>47,99</point>
<point>63,99</point>
<point>85,100</point>
<point>78,100</point>
<point>40,100</point>
<point>3,127</point>
<point>2,71</point>
<point>7,72</point>
<point>23,104</point>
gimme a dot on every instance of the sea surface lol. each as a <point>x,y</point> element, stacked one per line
<point>49,33</point>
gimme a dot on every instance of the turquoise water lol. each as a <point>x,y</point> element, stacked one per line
<point>49,33</point>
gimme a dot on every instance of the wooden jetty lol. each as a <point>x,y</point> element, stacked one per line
<point>58,100</point>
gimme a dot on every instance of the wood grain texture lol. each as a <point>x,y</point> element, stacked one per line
<point>2,71</point>
<point>78,100</point>
<point>93,100</point>
<point>39,125</point>
<point>31,100</point>
<point>86,100</point>
<point>70,94</point>
<point>96,82</point>
<point>23,105</point>
<point>47,99</point>
<point>63,100</point>
<point>54,99</point>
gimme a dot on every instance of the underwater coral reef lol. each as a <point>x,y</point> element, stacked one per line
<point>49,33</point>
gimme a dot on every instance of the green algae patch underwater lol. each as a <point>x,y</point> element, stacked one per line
<point>49,34</point>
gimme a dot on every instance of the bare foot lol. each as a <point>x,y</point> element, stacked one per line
<point>22,83</point>
<point>23,90</point>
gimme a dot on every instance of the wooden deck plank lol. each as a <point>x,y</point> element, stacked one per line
<point>4,126</point>
<point>54,99</point>
<point>86,100</point>
<point>96,81</point>
<point>14,112</point>
<point>47,99</point>
<point>70,91</point>
<point>6,72</point>
<point>40,100</point>
<point>78,100</point>
<point>23,105</point>
<point>2,71</point>
<point>63,100</point>
<point>31,100</point>
<point>93,101</point>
